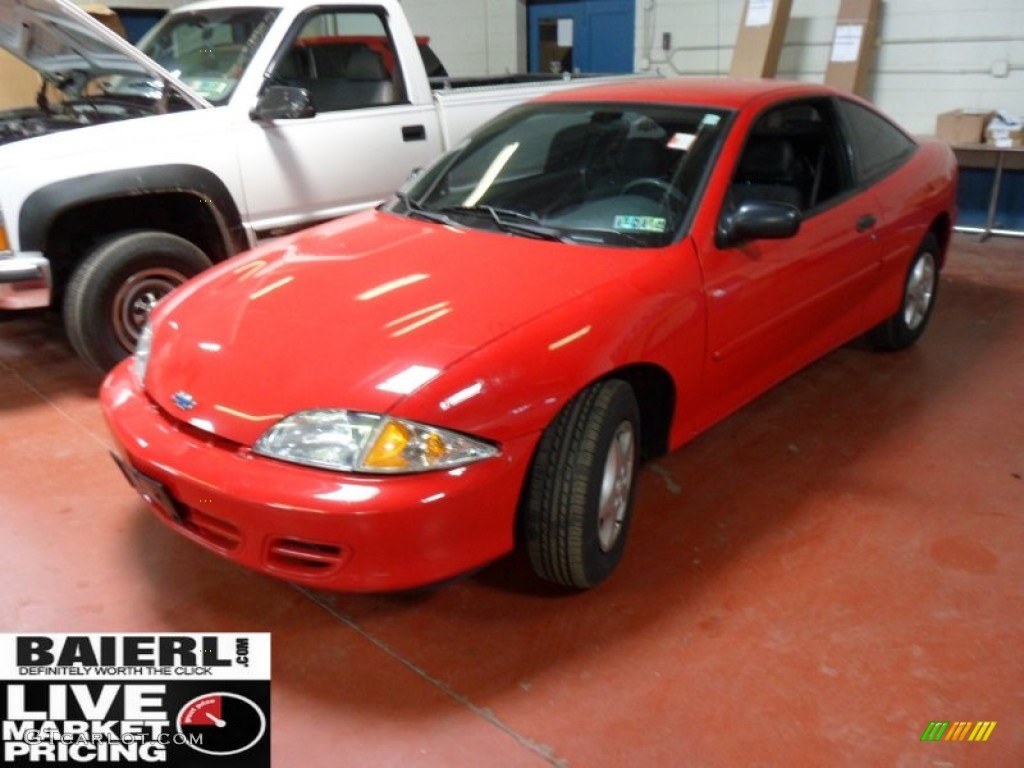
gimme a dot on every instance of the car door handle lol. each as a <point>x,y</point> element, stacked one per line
<point>864,223</point>
<point>414,133</point>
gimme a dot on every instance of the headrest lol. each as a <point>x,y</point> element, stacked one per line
<point>643,156</point>
<point>767,158</point>
<point>365,64</point>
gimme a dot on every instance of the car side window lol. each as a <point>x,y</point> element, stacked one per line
<point>792,155</point>
<point>879,147</point>
<point>344,59</point>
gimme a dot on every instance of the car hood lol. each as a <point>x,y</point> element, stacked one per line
<point>58,39</point>
<point>355,314</point>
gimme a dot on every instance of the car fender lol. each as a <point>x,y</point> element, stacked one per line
<point>517,384</point>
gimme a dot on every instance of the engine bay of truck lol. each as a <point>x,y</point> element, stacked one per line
<point>28,123</point>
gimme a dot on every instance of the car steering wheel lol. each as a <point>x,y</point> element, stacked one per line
<point>663,188</point>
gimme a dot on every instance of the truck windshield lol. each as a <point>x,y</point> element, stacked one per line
<point>607,174</point>
<point>208,50</point>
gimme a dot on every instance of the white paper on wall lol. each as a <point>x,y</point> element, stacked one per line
<point>565,33</point>
<point>759,13</point>
<point>846,45</point>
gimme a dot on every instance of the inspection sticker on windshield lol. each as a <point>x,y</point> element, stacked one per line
<point>681,141</point>
<point>639,224</point>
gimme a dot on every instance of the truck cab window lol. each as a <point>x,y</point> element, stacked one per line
<point>344,59</point>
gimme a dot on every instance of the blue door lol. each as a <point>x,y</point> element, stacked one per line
<point>583,36</point>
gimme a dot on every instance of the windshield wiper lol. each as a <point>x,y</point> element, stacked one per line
<point>497,212</point>
<point>530,225</point>
<point>414,210</point>
<point>605,236</point>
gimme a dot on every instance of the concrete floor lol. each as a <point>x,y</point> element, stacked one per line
<point>810,583</point>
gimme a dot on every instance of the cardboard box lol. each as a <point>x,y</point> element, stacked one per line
<point>852,51</point>
<point>106,16</point>
<point>963,126</point>
<point>19,83</point>
<point>759,42</point>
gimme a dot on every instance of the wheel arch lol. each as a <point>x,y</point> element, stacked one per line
<point>942,228</point>
<point>183,200</point>
<point>655,394</point>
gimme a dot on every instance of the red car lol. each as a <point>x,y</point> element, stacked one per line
<point>398,397</point>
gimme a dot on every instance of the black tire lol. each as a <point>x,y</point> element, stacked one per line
<point>919,288</point>
<point>580,493</point>
<point>113,290</point>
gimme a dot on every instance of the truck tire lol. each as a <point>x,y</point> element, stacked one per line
<point>112,291</point>
<point>582,484</point>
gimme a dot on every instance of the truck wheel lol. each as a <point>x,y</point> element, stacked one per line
<point>581,487</point>
<point>110,295</point>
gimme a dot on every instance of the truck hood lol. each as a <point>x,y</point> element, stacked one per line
<point>356,314</point>
<point>67,46</point>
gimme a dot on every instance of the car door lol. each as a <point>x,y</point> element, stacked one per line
<point>879,150</point>
<point>773,305</point>
<point>364,139</point>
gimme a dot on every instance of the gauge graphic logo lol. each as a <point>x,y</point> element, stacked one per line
<point>228,723</point>
<point>183,400</point>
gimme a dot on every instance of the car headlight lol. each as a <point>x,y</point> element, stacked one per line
<point>351,441</point>
<point>140,358</point>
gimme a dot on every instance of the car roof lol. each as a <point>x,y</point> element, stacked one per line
<point>724,92</point>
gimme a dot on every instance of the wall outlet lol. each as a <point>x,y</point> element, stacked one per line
<point>1000,68</point>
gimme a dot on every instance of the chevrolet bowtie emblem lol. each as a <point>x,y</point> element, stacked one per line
<point>183,400</point>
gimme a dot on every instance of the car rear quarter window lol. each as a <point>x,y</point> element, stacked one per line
<point>878,145</point>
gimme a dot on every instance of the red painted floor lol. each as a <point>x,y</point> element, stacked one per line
<point>810,583</point>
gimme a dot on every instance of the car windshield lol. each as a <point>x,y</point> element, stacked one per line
<point>207,50</point>
<point>604,174</point>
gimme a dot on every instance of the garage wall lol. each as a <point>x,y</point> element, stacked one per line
<point>473,37</point>
<point>933,55</point>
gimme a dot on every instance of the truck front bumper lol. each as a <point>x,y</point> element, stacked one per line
<point>25,280</point>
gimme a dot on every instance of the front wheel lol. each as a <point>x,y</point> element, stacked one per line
<point>582,484</point>
<point>111,294</point>
<point>919,288</point>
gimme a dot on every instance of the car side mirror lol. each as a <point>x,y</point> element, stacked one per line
<point>758,220</point>
<point>283,102</point>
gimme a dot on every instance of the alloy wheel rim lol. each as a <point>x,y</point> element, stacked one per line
<point>136,298</point>
<point>920,290</point>
<point>616,486</point>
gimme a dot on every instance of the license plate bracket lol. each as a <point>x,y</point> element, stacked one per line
<point>151,490</point>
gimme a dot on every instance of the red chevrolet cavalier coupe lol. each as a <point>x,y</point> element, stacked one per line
<point>484,361</point>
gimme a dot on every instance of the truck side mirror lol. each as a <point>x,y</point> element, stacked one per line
<point>283,102</point>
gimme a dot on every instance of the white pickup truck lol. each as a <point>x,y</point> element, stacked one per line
<point>138,168</point>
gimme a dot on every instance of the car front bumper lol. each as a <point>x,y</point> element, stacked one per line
<point>322,529</point>
<point>24,280</point>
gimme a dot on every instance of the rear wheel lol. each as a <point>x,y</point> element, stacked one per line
<point>919,288</point>
<point>579,500</point>
<point>111,294</point>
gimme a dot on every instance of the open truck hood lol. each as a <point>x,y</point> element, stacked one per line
<point>66,45</point>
